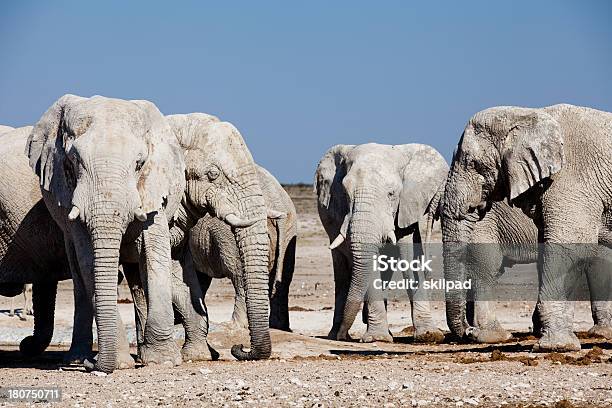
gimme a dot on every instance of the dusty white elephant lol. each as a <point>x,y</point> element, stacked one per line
<point>372,194</point>
<point>213,248</point>
<point>221,181</point>
<point>112,176</point>
<point>555,164</point>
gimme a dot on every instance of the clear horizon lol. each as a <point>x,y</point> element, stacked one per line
<point>297,79</point>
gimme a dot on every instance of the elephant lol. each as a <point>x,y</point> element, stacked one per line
<point>213,249</point>
<point>222,181</point>
<point>31,243</point>
<point>112,176</point>
<point>554,164</point>
<point>372,194</point>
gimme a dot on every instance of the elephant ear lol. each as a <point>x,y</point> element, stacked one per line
<point>422,176</point>
<point>45,149</point>
<point>534,152</point>
<point>330,171</point>
<point>162,178</point>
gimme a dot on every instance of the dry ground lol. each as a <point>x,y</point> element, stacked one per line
<point>308,370</point>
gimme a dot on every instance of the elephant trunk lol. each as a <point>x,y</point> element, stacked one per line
<point>253,248</point>
<point>363,238</point>
<point>465,193</point>
<point>106,240</point>
<point>456,237</point>
<point>107,217</point>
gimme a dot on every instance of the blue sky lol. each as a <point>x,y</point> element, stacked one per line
<point>299,77</point>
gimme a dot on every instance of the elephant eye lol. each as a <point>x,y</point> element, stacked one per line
<point>213,173</point>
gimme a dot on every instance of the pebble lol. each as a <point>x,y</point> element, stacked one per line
<point>408,386</point>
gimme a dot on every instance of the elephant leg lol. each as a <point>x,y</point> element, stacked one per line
<point>375,313</point>
<point>599,278</point>
<point>82,335</point>
<point>124,357</point>
<point>425,330</point>
<point>486,260</point>
<point>559,269</point>
<point>159,345</point>
<point>239,315</point>
<point>279,303</point>
<point>132,275</point>
<point>43,298</point>
<point>342,280</point>
<point>189,302</point>
<point>487,328</point>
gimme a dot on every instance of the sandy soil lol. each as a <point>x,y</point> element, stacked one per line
<point>308,370</point>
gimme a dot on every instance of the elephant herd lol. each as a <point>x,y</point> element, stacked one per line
<point>109,185</point>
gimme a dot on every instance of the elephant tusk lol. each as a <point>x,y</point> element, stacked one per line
<point>391,237</point>
<point>237,222</point>
<point>140,215</point>
<point>273,214</point>
<point>74,213</point>
<point>339,240</point>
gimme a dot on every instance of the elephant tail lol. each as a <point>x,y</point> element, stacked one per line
<point>279,221</point>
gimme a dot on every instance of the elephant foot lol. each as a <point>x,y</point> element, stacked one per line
<point>125,360</point>
<point>560,341</point>
<point>428,335</point>
<point>335,334</point>
<point>601,330</point>
<point>371,336</point>
<point>166,352</point>
<point>77,355</point>
<point>32,346</point>
<point>199,351</point>
<point>487,335</point>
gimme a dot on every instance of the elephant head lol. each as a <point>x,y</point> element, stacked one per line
<point>371,191</point>
<point>222,180</point>
<point>504,153</point>
<point>103,164</point>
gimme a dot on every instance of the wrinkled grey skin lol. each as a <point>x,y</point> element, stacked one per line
<point>31,244</point>
<point>372,194</point>
<point>213,248</point>
<point>222,180</point>
<point>555,164</point>
<point>111,175</point>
